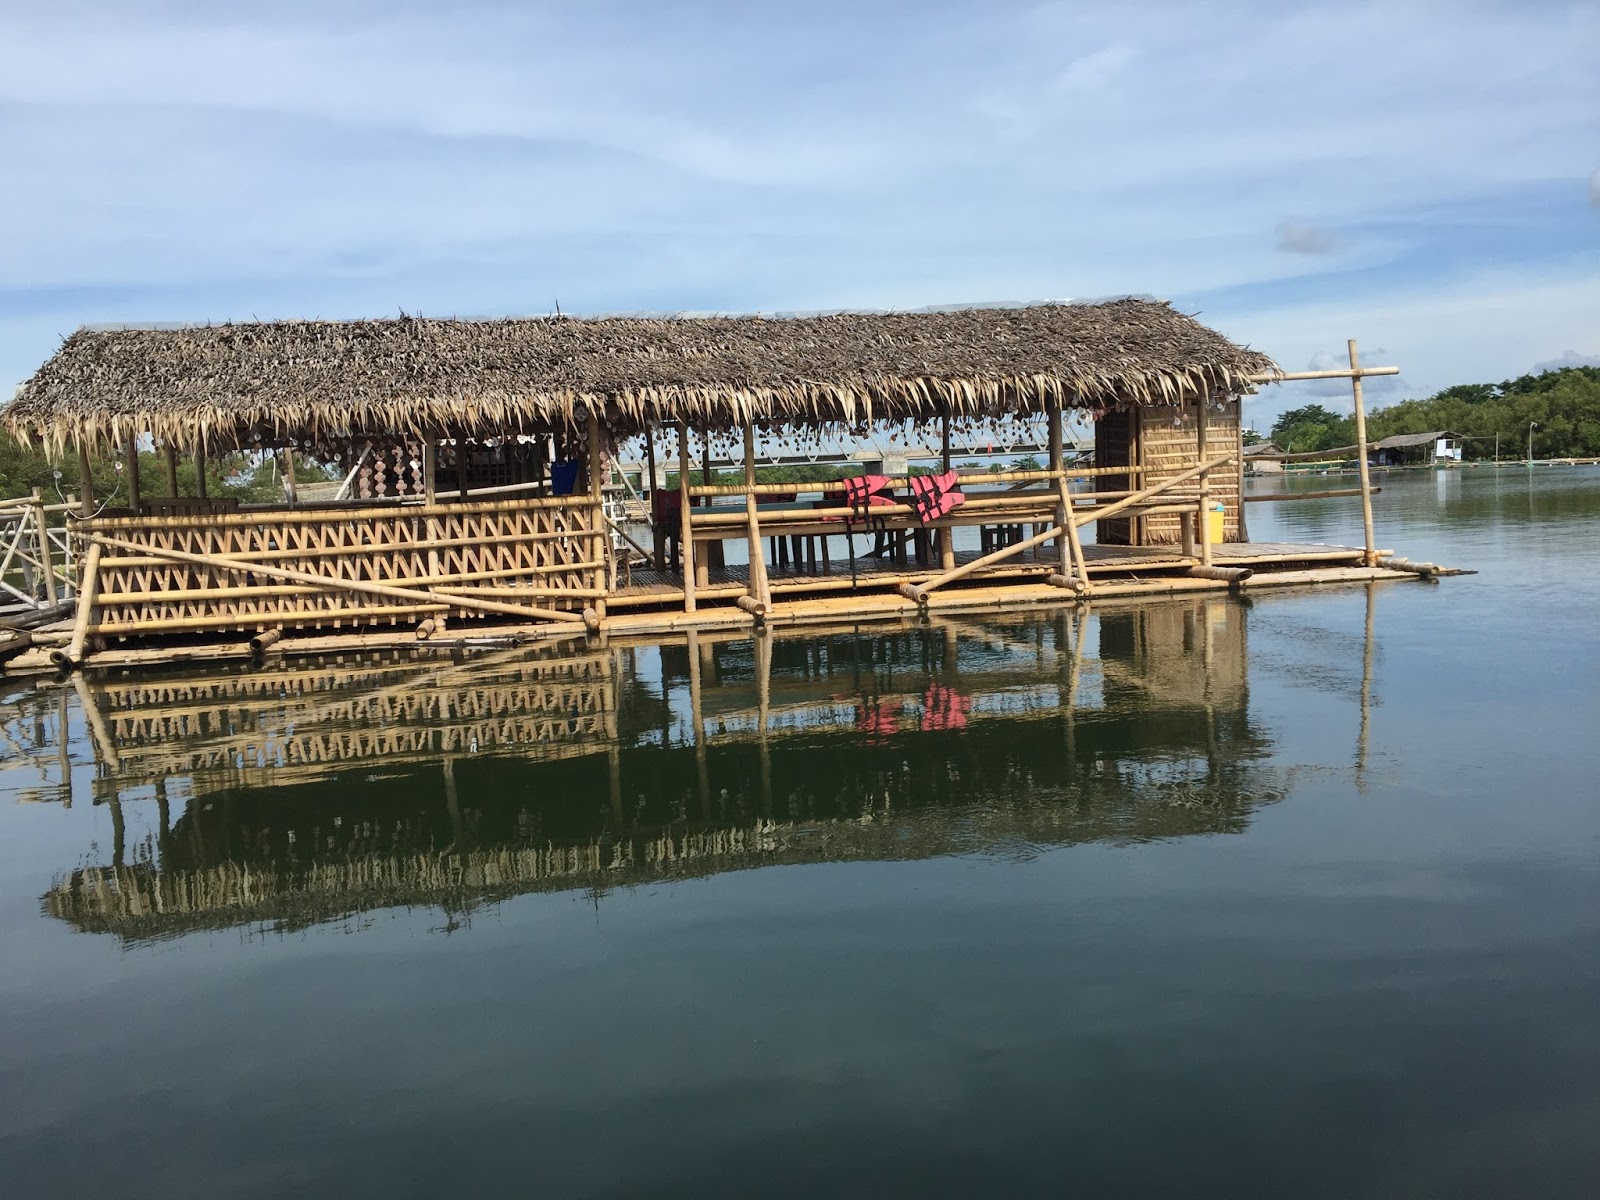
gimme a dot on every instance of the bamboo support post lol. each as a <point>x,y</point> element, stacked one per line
<point>264,640</point>
<point>686,529</point>
<point>130,452</point>
<point>1361,462</point>
<point>1203,522</point>
<point>85,481</point>
<point>331,584</point>
<point>46,560</point>
<point>657,555</point>
<point>202,486</point>
<point>88,599</point>
<point>172,469</point>
<point>290,489</point>
<point>430,455</point>
<point>758,563</point>
<point>602,539</point>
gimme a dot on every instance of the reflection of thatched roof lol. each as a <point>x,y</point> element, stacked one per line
<point>327,378</point>
<point>141,902</point>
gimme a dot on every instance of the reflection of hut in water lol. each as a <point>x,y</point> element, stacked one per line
<point>720,754</point>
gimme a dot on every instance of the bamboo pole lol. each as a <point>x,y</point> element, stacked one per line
<point>1201,420</point>
<point>88,600</point>
<point>45,561</point>
<point>1063,547</point>
<point>85,481</point>
<point>430,454</point>
<point>265,639</point>
<point>172,469</point>
<point>327,583</point>
<point>201,485</point>
<point>657,555</point>
<point>759,592</point>
<point>1361,441</point>
<point>291,490</point>
<point>686,531</point>
<point>130,451</point>
<point>602,539</point>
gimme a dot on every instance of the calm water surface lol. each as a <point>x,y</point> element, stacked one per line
<point>1291,896</point>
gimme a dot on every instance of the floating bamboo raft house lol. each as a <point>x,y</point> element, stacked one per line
<point>478,452</point>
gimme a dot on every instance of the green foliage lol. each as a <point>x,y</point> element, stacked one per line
<point>1564,403</point>
<point>248,477</point>
<point>1313,428</point>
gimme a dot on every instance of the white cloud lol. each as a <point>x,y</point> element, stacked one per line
<point>1570,359</point>
<point>1298,238</point>
<point>198,161</point>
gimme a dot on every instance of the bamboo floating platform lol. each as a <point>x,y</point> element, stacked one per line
<point>479,459</point>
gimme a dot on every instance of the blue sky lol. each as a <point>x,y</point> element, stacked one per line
<point>1422,176</point>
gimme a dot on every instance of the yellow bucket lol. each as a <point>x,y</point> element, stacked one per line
<point>1214,524</point>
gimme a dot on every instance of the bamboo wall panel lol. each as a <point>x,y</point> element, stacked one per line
<point>542,547</point>
<point>1167,448</point>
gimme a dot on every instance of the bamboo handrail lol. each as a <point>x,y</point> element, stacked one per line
<point>701,490</point>
<point>920,592</point>
<point>324,516</point>
<point>327,583</point>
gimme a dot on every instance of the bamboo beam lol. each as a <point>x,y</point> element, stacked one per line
<point>1323,495</point>
<point>759,592</point>
<point>244,566</point>
<point>88,599</point>
<point>1366,475</point>
<point>686,526</point>
<point>1355,372</point>
<point>1226,574</point>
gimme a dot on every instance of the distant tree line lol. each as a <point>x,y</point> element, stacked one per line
<point>251,478</point>
<point>1563,406</point>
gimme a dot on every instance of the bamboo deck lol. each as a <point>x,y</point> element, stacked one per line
<point>647,586</point>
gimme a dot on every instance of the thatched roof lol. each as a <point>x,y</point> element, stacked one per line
<point>223,383</point>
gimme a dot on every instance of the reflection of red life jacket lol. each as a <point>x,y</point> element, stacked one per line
<point>933,496</point>
<point>876,720</point>
<point>944,708</point>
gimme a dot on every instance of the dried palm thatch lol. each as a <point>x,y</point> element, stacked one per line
<point>232,384</point>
